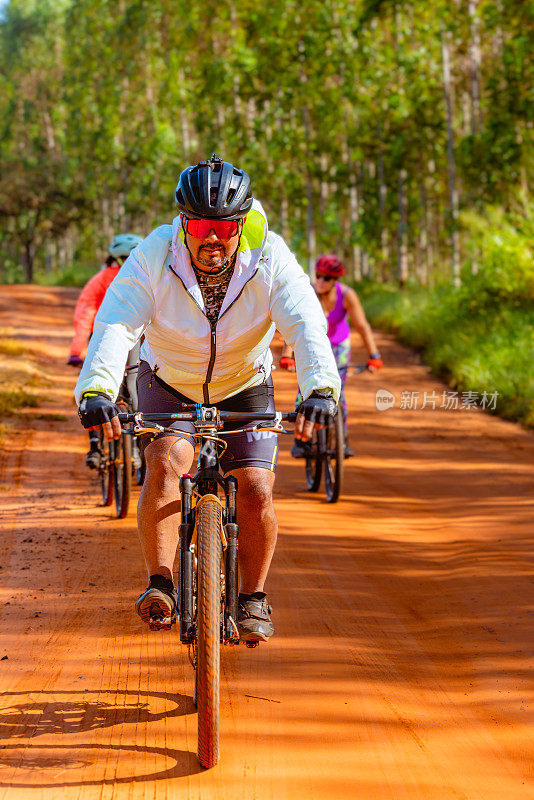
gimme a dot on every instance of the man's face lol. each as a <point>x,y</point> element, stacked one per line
<point>213,250</point>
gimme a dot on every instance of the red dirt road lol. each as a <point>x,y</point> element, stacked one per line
<point>403,614</point>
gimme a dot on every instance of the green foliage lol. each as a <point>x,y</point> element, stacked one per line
<point>14,397</point>
<point>103,103</point>
<point>479,337</point>
<point>507,265</point>
<point>75,275</point>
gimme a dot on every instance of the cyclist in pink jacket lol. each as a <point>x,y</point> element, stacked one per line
<point>85,312</point>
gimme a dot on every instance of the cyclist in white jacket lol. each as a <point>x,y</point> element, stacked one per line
<point>208,292</point>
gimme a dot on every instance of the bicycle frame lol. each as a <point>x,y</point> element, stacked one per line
<point>207,481</point>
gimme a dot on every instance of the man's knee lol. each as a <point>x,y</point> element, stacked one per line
<point>167,460</point>
<point>256,488</point>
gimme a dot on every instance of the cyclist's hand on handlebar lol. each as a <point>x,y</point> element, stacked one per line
<point>96,409</point>
<point>75,361</point>
<point>287,362</point>
<point>374,362</point>
<point>314,412</point>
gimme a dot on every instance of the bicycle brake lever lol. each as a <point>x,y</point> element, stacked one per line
<point>140,427</point>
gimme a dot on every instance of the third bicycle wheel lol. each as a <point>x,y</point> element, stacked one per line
<point>105,470</point>
<point>313,463</point>
<point>333,463</point>
<point>122,474</point>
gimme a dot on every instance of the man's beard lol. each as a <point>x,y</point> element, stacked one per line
<point>216,259</point>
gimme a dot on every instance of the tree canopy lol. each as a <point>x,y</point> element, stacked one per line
<point>372,128</point>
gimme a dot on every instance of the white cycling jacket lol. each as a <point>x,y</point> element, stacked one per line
<point>156,293</point>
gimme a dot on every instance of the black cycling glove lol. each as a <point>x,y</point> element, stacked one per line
<point>96,408</point>
<point>319,407</point>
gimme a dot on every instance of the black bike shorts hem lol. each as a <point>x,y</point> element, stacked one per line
<point>247,449</point>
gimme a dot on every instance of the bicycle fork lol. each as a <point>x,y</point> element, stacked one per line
<point>187,526</point>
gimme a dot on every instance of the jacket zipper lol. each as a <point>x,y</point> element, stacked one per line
<point>213,343</point>
<point>213,329</point>
<point>213,352</point>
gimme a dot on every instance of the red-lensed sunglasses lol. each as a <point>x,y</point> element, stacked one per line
<point>200,228</point>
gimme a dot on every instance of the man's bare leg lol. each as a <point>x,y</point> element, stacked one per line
<point>257,539</point>
<point>258,527</point>
<point>158,512</point>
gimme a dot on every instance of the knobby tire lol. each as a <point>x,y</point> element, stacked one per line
<point>333,462</point>
<point>313,464</point>
<point>209,559</point>
<point>122,474</point>
<point>106,471</point>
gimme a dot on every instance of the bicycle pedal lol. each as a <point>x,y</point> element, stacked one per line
<point>161,623</point>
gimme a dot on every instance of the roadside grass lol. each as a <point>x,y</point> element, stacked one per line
<point>478,337</point>
<point>20,378</point>
<point>11,347</point>
<point>75,275</point>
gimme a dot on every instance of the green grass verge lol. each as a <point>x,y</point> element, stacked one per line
<point>15,396</point>
<point>76,275</point>
<point>10,347</point>
<point>20,377</point>
<point>478,338</point>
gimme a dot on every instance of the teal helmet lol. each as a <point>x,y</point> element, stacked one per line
<point>123,244</point>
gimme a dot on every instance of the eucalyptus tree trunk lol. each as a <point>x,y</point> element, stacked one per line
<point>523,178</point>
<point>324,186</point>
<point>28,255</point>
<point>311,241</point>
<point>475,60</point>
<point>423,266</point>
<point>451,165</point>
<point>353,221</point>
<point>284,217</point>
<point>382,197</point>
<point>184,121</point>
<point>105,211</point>
<point>364,255</point>
<point>402,231</point>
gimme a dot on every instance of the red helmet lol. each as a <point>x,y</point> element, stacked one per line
<point>330,266</point>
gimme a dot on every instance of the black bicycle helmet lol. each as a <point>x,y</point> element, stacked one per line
<point>214,189</point>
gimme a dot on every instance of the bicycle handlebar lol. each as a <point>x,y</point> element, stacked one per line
<point>205,420</point>
<point>223,416</point>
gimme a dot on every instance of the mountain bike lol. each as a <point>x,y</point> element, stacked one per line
<point>208,574</point>
<point>325,452</point>
<point>325,456</point>
<point>120,459</point>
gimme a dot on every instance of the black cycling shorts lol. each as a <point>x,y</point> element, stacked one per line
<point>248,449</point>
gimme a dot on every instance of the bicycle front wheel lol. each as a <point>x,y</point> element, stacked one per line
<point>122,474</point>
<point>209,560</point>
<point>333,463</point>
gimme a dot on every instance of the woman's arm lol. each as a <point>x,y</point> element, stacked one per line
<point>354,309</point>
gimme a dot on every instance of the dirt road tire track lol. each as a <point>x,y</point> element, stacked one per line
<point>403,614</point>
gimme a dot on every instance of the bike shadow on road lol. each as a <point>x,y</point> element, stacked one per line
<point>41,758</point>
<point>52,717</point>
